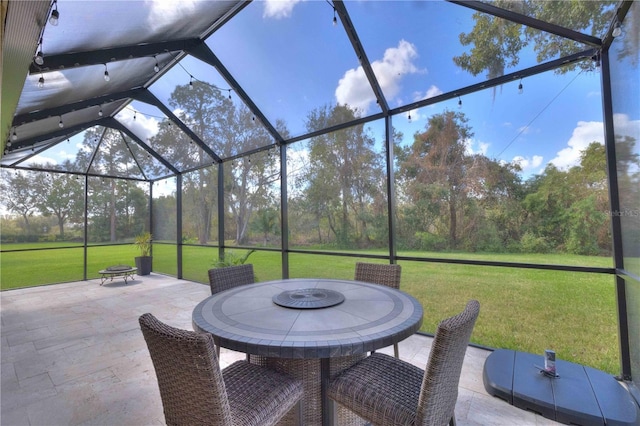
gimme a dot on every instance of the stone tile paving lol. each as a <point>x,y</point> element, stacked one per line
<point>73,354</point>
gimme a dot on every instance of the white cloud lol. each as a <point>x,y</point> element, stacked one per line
<point>278,8</point>
<point>480,147</point>
<point>625,127</point>
<point>483,148</point>
<point>162,13</point>
<point>142,126</point>
<point>41,159</point>
<point>585,133</point>
<point>524,130</point>
<point>354,89</point>
<point>418,96</point>
<point>526,163</point>
<point>67,155</point>
<point>432,91</point>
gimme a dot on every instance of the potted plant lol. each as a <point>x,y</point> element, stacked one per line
<point>143,262</point>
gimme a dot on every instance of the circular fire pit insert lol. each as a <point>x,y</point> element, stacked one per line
<point>308,298</point>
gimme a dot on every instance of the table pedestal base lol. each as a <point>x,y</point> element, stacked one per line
<point>310,372</point>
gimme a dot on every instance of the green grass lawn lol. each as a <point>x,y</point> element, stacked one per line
<point>531,310</point>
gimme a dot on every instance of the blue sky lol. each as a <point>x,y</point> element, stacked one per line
<point>290,59</point>
<point>410,46</point>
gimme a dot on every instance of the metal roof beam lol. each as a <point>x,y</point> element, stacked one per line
<point>98,57</point>
<point>63,133</point>
<point>64,109</point>
<point>518,75</point>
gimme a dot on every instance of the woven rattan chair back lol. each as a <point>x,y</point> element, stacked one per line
<point>391,392</point>
<point>221,279</point>
<point>439,391</point>
<point>378,273</point>
<point>195,391</point>
<point>382,274</point>
<point>189,377</point>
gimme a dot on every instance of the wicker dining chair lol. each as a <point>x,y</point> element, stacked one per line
<point>195,391</point>
<point>383,274</point>
<point>390,392</point>
<point>221,279</point>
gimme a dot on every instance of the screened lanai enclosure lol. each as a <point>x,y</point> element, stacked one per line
<point>490,148</point>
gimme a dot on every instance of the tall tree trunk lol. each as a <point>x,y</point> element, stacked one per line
<point>452,222</point>
<point>61,226</point>
<point>112,208</point>
<point>319,229</point>
<point>203,229</point>
<point>26,223</point>
<point>345,219</point>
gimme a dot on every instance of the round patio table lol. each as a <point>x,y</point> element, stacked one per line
<point>309,328</point>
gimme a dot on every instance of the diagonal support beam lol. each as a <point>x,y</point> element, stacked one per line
<point>149,98</point>
<point>362,56</point>
<point>115,124</point>
<point>205,54</point>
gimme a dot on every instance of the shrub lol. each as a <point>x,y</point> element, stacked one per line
<point>431,242</point>
<point>529,243</point>
<point>230,258</point>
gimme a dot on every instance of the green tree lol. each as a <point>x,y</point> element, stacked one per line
<point>266,222</point>
<point>589,227</point>
<point>132,209</point>
<point>249,182</point>
<point>546,204</point>
<point>106,152</point>
<point>20,195</point>
<point>496,44</point>
<point>497,192</point>
<point>566,210</point>
<point>164,218</point>
<point>117,209</point>
<point>437,172</point>
<point>199,202</point>
<point>343,177</point>
<point>227,130</point>
<point>205,110</point>
<point>60,195</point>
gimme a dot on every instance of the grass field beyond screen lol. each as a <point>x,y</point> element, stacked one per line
<point>530,310</point>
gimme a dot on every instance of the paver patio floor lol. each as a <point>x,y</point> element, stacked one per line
<point>73,354</point>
